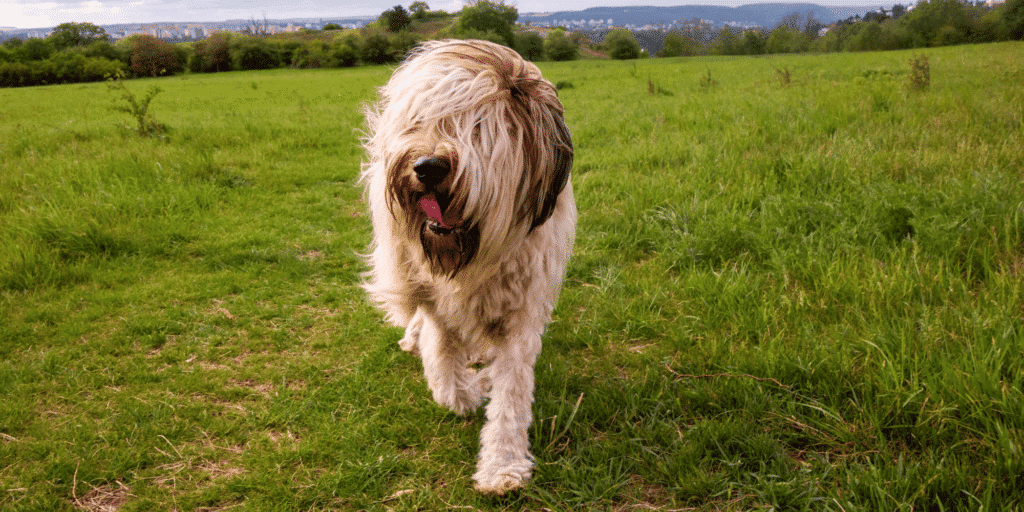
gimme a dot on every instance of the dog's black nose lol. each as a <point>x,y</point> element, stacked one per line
<point>431,170</point>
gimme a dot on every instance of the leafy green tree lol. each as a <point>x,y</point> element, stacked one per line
<point>727,43</point>
<point>69,35</point>
<point>621,44</point>
<point>485,16</point>
<point>377,50</point>
<point>530,45</point>
<point>214,53</point>
<point>753,42</point>
<point>937,22</point>
<point>558,47</point>
<point>1013,16</point>
<point>152,57</point>
<point>396,19</point>
<point>35,49</point>
<point>401,44</point>
<point>419,10</point>
<point>678,45</point>
<point>865,36</point>
<point>332,26</point>
<point>784,40</point>
<point>254,53</point>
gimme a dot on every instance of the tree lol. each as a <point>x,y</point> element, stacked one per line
<point>332,26</point>
<point>559,47</point>
<point>254,53</point>
<point>530,45</point>
<point>1013,16</point>
<point>213,53</point>
<point>753,42</point>
<point>152,57</point>
<point>485,16</point>
<point>678,45</point>
<point>395,19</point>
<point>419,10</point>
<point>35,49</point>
<point>68,35</point>
<point>377,50</point>
<point>621,44</point>
<point>727,43</point>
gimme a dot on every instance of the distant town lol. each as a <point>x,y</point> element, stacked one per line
<point>196,30</point>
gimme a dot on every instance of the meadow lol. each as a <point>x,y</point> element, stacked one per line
<point>797,285</point>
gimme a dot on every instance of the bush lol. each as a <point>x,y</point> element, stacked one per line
<point>677,45</point>
<point>310,56</point>
<point>152,57</point>
<point>485,17</point>
<point>214,53</point>
<point>558,47</point>
<point>14,74</point>
<point>401,44</point>
<point>377,50</point>
<point>288,49</point>
<point>1013,17</point>
<point>343,55</point>
<point>621,44</point>
<point>530,45</point>
<point>249,53</point>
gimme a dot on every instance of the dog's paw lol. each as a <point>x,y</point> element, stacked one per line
<point>460,402</point>
<point>505,480</point>
<point>411,341</point>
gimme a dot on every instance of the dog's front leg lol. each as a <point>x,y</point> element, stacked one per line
<point>505,462</point>
<point>444,364</point>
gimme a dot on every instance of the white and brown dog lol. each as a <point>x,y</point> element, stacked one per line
<point>473,224</point>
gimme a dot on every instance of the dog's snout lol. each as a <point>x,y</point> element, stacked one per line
<point>431,170</point>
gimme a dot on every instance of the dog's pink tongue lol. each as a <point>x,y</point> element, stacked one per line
<point>432,209</point>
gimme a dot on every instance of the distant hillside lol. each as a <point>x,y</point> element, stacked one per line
<point>764,15</point>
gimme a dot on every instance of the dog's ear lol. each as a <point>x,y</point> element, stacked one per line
<point>557,169</point>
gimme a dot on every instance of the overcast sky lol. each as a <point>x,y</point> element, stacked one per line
<point>39,14</point>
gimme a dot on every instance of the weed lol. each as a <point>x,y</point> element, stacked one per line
<point>706,82</point>
<point>139,109</point>
<point>783,76</point>
<point>920,73</point>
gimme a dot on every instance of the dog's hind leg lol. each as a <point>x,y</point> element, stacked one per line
<point>505,462</point>
<point>444,364</point>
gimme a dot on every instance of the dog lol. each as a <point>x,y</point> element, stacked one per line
<point>474,220</point>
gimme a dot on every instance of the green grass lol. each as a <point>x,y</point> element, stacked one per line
<point>799,297</point>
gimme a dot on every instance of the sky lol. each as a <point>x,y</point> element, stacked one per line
<point>41,14</point>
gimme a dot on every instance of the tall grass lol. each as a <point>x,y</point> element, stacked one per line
<point>795,298</point>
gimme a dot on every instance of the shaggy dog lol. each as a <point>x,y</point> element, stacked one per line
<point>473,223</point>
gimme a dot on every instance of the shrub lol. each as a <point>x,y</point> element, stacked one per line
<point>343,55</point>
<point>311,55</point>
<point>139,109</point>
<point>621,44</point>
<point>558,47</point>
<point>486,16</point>
<point>920,73</point>
<point>377,50</point>
<point>214,53</point>
<point>530,45</point>
<point>249,53</point>
<point>14,74</point>
<point>152,57</point>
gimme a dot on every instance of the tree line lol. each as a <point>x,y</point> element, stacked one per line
<point>928,24</point>
<point>80,52</point>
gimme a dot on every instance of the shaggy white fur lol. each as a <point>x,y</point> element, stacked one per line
<point>474,221</point>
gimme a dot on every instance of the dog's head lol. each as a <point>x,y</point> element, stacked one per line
<point>473,147</point>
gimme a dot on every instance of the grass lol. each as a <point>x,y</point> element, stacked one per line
<point>800,297</point>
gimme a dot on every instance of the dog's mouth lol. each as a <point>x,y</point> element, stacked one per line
<point>440,221</point>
